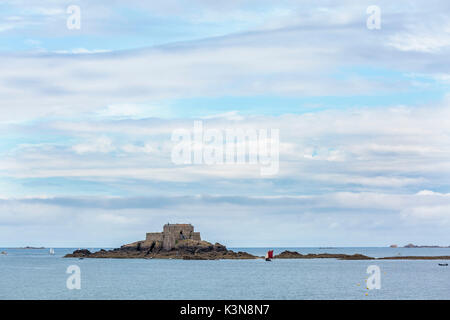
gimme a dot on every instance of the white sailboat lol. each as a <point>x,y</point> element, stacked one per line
<point>52,251</point>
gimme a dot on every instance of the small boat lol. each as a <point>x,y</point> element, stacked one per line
<point>269,255</point>
<point>52,251</point>
<point>4,253</point>
<point>443,264</point>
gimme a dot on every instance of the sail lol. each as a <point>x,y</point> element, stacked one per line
<point>270,254</point>
<point>52,251</point>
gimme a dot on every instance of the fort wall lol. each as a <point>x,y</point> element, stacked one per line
<point>172,233</point>
<point>154,236</point>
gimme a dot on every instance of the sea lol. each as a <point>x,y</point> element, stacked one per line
<point>36,274</point>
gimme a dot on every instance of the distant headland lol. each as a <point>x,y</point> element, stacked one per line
<point>410,245</point>
<point>179,241</point>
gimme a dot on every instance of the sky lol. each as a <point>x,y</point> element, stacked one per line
<point>87,116</point>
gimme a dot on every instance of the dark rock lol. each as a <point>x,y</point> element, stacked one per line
<point>187,249</point>
<point>288,255</point>
<point>79,254</point>
<point>194,257</point>
<point>219,248</point>
<point>295,255</point>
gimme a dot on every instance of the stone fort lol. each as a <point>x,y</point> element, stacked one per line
<point>173,232</point>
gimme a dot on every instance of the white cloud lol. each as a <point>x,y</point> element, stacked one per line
<point>47,11</point>
<point>289,62</point>
<point>125,110</point>
<point>367,149</point>
<point>81,51</point>
<point>131,148</point>
<point>6,27</point>
<point>428,43</point>
<point>430,193</point>
<point>434,214</point>
<point>101,144</point>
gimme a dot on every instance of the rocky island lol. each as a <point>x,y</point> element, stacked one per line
<point>179,241</point>
<point>410,245</point>
<point>295,255</point>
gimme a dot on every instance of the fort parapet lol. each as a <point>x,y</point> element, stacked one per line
<point>173,232</point>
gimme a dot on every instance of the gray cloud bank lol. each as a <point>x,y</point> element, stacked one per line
<point>302,220</point>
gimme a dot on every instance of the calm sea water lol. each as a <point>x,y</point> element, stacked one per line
<point>35,274</point>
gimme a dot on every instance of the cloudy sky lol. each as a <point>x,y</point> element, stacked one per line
<point>86,118</point>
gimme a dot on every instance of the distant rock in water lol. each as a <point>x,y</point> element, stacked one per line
<point>28,247</point>
<point>410,245</point>
<point>295,255</point>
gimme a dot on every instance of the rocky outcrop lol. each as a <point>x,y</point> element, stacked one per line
<point>416,258</point>
<point>410,245</point>
<point>187,249</point>
<point>295,255</point>
<point>82,253</point>
<point>288,255</point>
